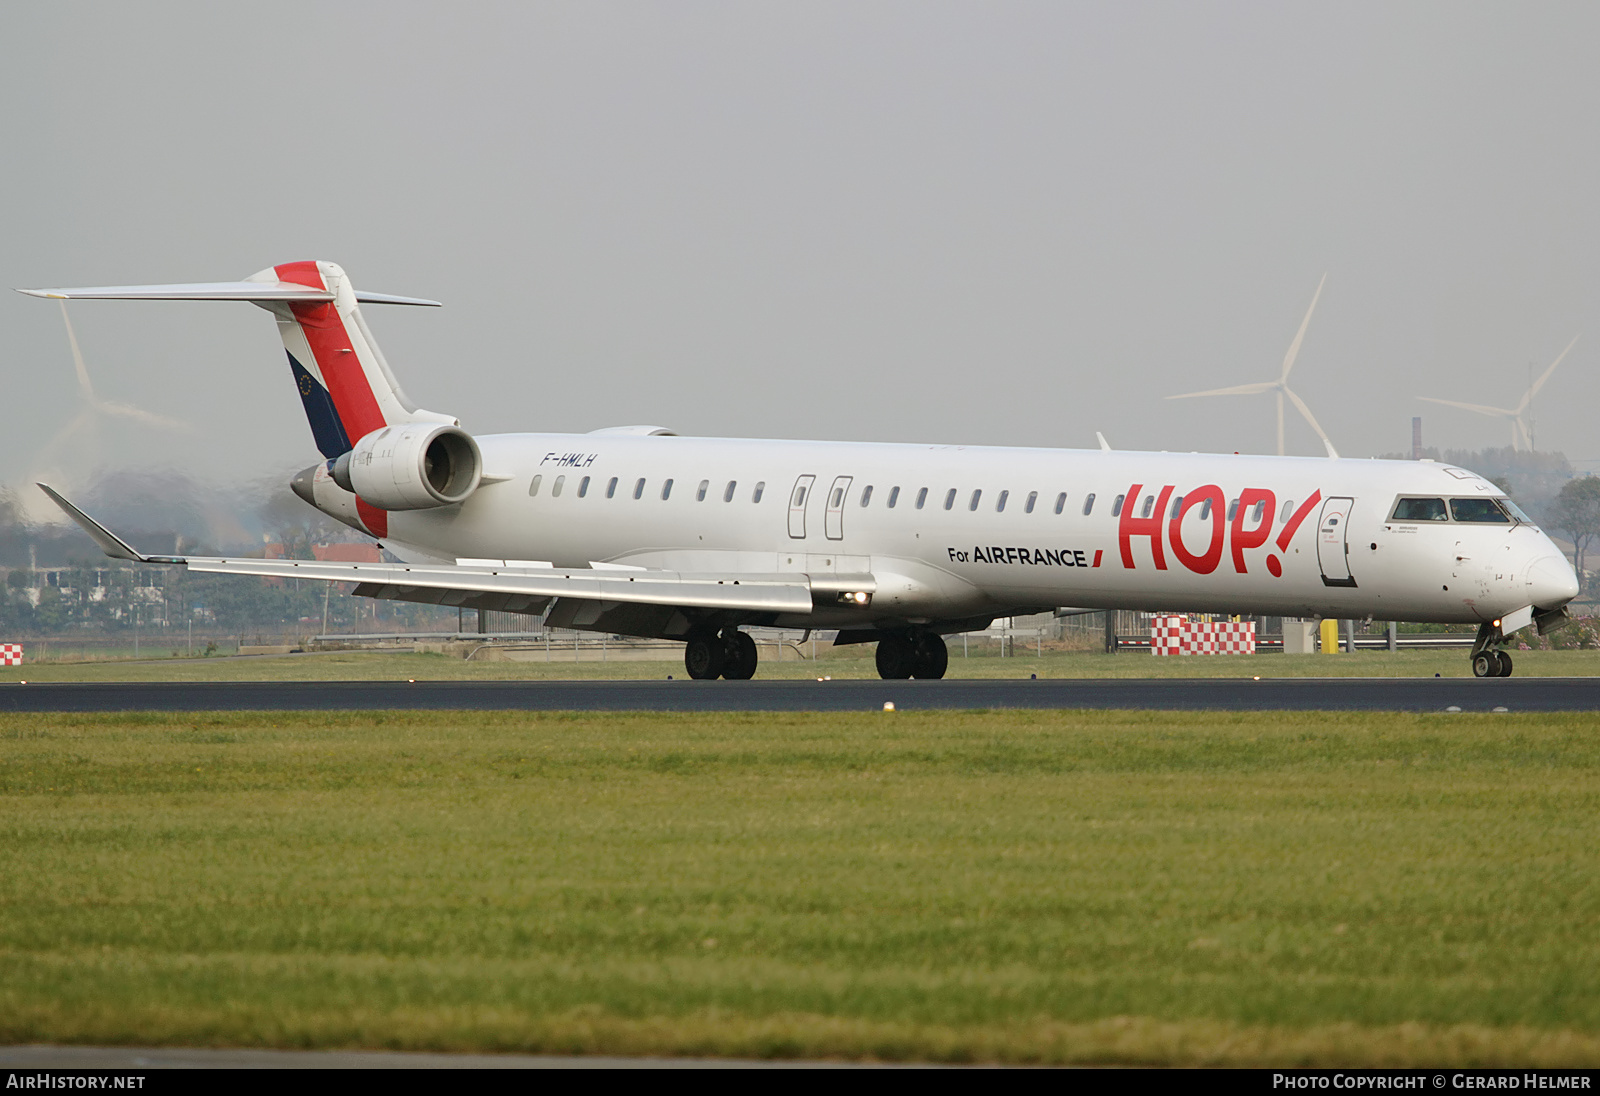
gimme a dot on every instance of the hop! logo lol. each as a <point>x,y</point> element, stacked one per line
<point>1247,528</point>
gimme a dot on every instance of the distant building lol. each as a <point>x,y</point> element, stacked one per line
<point>336,552</point>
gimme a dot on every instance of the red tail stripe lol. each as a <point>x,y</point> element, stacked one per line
<point>376,520</point>
<point>335,355</point>
<point>302,273</point>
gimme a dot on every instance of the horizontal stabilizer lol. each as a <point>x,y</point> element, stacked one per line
<point>216,291</point>
<point>776,593</point>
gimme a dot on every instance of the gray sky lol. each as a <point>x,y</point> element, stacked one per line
<point>987,223</point>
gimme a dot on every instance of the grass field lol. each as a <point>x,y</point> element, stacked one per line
<point>1021,886</point>
<point>846,662</point>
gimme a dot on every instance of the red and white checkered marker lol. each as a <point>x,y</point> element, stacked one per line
<point>10,654</point>
<point>1166,635</point>
<point>1173,634</point>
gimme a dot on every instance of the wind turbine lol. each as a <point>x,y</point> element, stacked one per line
<point>1521,431</point>
<point>87,420</point>
<point>1279,387</point>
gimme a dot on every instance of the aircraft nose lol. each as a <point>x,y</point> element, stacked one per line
<point>1551,582</point>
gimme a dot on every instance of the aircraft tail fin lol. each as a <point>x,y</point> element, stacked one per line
<point>343,379</point>
<point>344,382</point>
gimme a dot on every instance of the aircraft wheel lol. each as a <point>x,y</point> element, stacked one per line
<point>897,658</point>
<point>1485,665</point>
<point>932,657</point>
<point>741,657</point>
<point>1505,664</point>
<point>704,656</point>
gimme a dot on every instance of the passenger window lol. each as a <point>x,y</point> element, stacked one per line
<point>1149,505</point>
<point>666,491</point>
<point>1033,498</point>
<point>799,496</point>
<point>638,490</point>
<point>894,496</point>
<point>533,488</point>
<point>727,496</point>
<point>583,488</point>
<point>756,495</point>
<point>1088,503</point>
<point>1177,505</point>
<point>922,497</point>
<point>555,488</point>
<point>1419,510</point>
<point>866,494</point>
<point>950,498</point>
<point>1116,506</point>
<point>1233,508</point>
<point>1482,511</point>
<point>1261,508</point>
<point>1288,509</point>
<point>838,498</point>
<point>1205,509</point>
<point>611,488</point>
<point>976,495</point>
<point>1000,503</point>
<point>700,492</point>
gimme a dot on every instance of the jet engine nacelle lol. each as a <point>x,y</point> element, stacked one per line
<point>414,466</point>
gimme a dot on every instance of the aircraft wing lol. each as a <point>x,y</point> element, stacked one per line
<point>775,593</point>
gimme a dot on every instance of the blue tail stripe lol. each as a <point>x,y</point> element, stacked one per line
<point>325,425</point>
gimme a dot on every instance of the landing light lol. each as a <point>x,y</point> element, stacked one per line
<point>856,598</point>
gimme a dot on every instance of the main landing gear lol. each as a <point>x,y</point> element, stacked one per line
<point>921,656</point>
<point>1487,658</point>
<point>730,654</point>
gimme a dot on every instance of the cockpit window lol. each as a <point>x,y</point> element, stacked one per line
<point>1480,510</point>
<point>1516,511</point>
<point>1419,510</point>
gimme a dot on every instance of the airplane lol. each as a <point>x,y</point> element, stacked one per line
<point>638,531</point>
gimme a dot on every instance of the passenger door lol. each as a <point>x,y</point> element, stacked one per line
<point>833,523</point>
<point>1333,542</point>
<point>799,499</point>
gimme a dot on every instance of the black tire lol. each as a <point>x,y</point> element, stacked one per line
<point>1485,665</point>
<point>741,661</point>
<point>704,656</point>
<point>897,658</point>
<point>1504,660</point>
<point>932,657</point>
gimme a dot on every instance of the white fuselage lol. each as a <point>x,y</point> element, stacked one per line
<point>1307,537</point>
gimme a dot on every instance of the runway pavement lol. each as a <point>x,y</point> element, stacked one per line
<point>1528,694</point>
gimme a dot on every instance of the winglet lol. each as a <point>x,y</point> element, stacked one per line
<point>1105,446</point>
<point>111,544</point>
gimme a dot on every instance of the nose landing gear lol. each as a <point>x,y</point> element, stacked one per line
<point>1491,664</point>
<point>1487,659</point>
